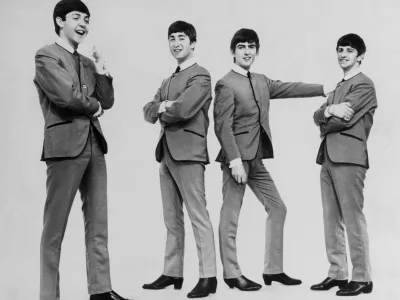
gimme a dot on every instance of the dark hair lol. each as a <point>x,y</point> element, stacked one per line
<point>245,35</point>
<point>354,41</point>
<point>186,28</point>
<point>64,7</point>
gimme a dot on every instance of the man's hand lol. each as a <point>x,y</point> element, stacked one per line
<point>168,103</point>
<point>239,174</point>
<point>342,111</point>
<point>99,62</point>
<point>99,112</point>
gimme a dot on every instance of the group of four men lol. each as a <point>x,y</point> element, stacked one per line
<point>74,90</point>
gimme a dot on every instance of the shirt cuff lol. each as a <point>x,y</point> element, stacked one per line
<point>162,108</point>
<point>235,163</point>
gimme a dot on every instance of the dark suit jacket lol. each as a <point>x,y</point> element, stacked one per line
<point>67,107</point>
<point>185,123</point>
<point>346,141</point>
<point>239,118</point>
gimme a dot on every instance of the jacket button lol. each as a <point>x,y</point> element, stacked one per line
<point>84,86</point>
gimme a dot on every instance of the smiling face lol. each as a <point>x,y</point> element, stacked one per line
<point>180,46</point>
<point>245,54</point>
<point>74,28</point>
<point>348,58</point>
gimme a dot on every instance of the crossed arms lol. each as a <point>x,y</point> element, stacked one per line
<point>195,95</point>
<point>360,100</point>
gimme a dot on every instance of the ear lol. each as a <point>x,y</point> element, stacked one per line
<point>193,45</point>
<point>258,52</point>
<point>360,58</point>
<point>60,22</point>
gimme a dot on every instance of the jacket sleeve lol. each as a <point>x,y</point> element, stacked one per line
<point>150,110</point>
<point>58,86</point>
<point>278,89</point>
<point>104,91</point>
<point>362,99</point>
<point>224,107</point>
<point>319,115</point>
<point>193,98</point>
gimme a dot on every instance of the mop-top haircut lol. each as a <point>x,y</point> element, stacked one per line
<point>245,35</point>
<point>354,41</point>
<point>186,28</point>
<point>64,7</point>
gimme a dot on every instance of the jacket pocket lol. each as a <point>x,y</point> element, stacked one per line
<point>187,130</point>
<point>59,123</point>
<point>239,133</point>
<point>352,136</point>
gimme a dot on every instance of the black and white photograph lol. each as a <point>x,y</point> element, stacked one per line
<point>168,150</point>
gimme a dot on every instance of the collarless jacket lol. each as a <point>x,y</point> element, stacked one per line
<point>69,102</point>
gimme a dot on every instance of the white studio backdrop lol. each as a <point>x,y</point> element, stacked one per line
<point>298,40</point>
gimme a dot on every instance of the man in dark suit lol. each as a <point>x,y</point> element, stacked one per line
<point>73,91</point>
<point>241,118</point>
<point>181,106</point>
<point>345,121</point>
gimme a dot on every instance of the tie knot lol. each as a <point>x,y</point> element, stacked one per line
<point>178,69</point>
<point>248,74</point>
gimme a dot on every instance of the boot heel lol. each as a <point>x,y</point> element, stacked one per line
<point>228,283</point>
<point>178,284</point>
<point>367,289</point>
<point>267,281</point>
<point>213,289</point>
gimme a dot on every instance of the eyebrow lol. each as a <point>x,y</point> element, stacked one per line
<point>78,14</point>
<point>244,44</point>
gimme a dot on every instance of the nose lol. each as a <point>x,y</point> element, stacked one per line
<point>175,44</point>
<point>83,25</point>
<point>246,50</point>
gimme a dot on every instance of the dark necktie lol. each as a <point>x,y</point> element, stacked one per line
<point>79,65</point>
<point>177,69</point>
<point>251,85</point>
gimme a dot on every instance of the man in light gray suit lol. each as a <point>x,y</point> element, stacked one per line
<point>73,91</point>
<point>345,122</point>
<point>241,118</point>
<point>181,106</point>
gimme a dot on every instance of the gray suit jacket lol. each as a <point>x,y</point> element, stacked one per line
<point>346,141</point>
<point>239,118</point>
<point>67,106</point>
<point>185,123</point>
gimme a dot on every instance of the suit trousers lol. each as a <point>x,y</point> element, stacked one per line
<point>86,172</point>
<point>183,182</point>
<point>261,183</point>
<point>342,202</point>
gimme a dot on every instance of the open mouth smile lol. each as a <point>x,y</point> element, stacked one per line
<point>80,32</point>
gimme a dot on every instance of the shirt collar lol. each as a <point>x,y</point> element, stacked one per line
<point>239,70</point>
<point>352,73</point>
<point>65,45</point>
<point>187,63</point>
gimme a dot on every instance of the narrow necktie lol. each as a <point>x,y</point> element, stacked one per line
<point>251,85</point>
<point>177,69</point>
<point>79,66</point>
